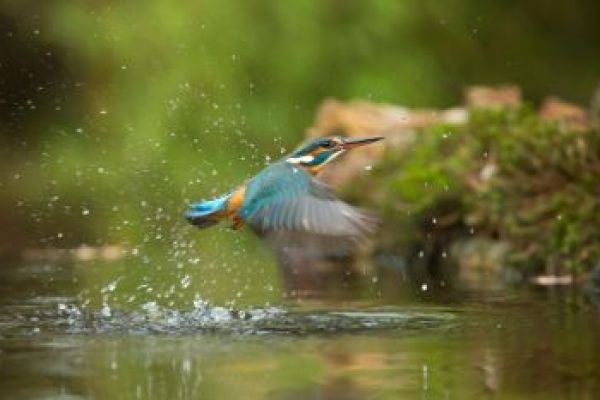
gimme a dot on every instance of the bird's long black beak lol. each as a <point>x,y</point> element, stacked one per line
<point>350,143</point>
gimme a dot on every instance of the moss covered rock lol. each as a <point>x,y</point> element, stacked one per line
<point>506,175</point>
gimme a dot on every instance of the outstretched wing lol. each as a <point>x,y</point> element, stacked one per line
<point>286,198</point>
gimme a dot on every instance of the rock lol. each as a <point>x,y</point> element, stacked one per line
<point>86,253</point>
<point>493,97</point>
<point>481,262</point>
<point>569,115</point>
<point>111,252</point>
<point>82,253</point>
<point>552,280</point>
<point>361,118</point>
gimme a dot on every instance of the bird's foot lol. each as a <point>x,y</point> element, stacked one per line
<point>238,223</point>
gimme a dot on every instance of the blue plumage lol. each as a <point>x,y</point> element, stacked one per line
<point>201,213</point>
<point>275,183</point>
<point>286,197</point>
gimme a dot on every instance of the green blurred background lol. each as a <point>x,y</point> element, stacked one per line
<point>114,115</point>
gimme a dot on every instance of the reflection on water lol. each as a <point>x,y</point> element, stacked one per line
<point>511,344</point>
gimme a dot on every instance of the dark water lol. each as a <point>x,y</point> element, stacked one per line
<point>509,344</point>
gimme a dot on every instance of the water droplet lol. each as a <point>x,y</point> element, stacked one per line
<point>110,287</point>
<point>150,307</point>
<point>199,303</point>
<point>105,311</point>
<point>185,281</point>
<point>186,366</point>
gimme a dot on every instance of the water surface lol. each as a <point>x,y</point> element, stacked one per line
<point>513,344</point>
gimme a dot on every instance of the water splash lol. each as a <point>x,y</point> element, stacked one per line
<point>152,318</point>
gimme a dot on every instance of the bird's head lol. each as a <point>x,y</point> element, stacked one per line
<point>315,154</point>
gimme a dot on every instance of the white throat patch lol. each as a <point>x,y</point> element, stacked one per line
<point>308,159</point>
<point>300,160</point>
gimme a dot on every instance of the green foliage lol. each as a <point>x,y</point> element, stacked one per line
<point>508,175</point>
<point>544,198</point>
<point>116,114</point>
<point>159,95</point>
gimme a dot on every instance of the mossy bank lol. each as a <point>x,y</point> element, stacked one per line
<point>506,177</point>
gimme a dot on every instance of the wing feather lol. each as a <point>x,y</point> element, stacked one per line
<point>283,197</point>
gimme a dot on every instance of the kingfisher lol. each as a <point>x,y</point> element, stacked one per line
<point>286,197</point>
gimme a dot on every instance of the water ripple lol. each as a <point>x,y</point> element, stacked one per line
<point>153,319</point>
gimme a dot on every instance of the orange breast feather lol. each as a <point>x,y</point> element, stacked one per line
<point>236,200</point>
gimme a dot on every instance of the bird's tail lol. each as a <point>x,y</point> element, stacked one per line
<point>206,213</point>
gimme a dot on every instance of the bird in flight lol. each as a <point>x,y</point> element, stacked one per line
<point>286,198</point>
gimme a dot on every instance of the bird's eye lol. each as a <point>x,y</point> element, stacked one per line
<point>329,144</point>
